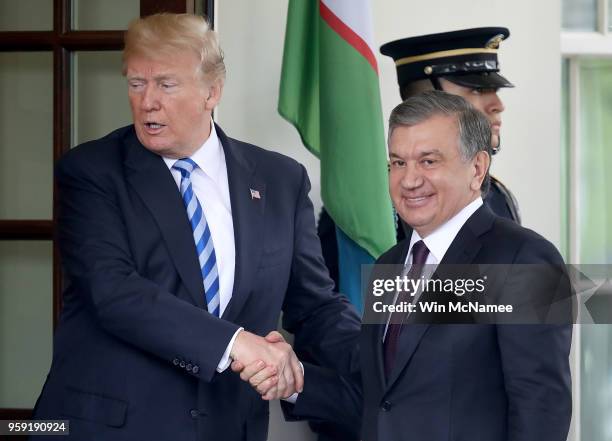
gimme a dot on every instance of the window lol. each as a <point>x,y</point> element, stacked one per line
<point>586,46</point>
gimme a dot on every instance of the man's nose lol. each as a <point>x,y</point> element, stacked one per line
<point>412,177</point>
<point>150,98</point>
<point>495,104</point>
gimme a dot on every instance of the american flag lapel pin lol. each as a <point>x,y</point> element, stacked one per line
<point>255,194</point>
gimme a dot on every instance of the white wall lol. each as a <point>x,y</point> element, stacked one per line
<point>252,35</point>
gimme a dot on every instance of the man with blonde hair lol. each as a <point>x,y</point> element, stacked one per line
<point>180,247</point>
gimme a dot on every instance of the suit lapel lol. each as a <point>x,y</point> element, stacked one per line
<point>467,243</point>
<point>462,250</point>
<point>149,176</point>
<point>248,218</point>
<point>409,341</point>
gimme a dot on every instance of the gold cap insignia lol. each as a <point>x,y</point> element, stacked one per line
<point>428,70</point>
<point>494,42</point>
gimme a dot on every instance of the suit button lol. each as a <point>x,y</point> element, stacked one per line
<point>188,367</point>
<point>195,369</point>
<point>182,364</point>
<point>386,406</point>
<point>194,413</point>
<point>175,362</point>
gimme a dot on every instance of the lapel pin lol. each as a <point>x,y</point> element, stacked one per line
<point>255,194</point>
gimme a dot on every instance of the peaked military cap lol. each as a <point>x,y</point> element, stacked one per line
<point>467,57</point>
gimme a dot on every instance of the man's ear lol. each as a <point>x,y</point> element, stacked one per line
<point>215,91</point>
<point>482,162</point>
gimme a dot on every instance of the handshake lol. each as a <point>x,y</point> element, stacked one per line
<point>268,364</point>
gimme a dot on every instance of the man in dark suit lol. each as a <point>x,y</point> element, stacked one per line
<point>180,247</point>
<point>419,380</point>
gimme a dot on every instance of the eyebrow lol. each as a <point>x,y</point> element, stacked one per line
<point>421,154</point>
<point>430,152</point>
<point>161,77</point>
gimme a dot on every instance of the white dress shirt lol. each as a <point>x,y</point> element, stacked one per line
<point>211,187</point>
<point>440,239</point>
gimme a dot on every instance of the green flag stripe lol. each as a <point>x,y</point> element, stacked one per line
<point>354,179</point>
<point>330,93</point>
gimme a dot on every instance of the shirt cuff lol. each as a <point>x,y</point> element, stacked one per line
<point>226,360</point>
<point>293,398</point>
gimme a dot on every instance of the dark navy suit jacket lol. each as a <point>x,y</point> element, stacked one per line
<point>135,352</point>
<point>458,382</point>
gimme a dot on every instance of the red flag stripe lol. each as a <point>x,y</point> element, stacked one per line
<point>348,35</point>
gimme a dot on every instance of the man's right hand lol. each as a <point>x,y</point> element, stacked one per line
<point>273,368</point>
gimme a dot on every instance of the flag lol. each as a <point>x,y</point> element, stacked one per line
<point>329,91</point>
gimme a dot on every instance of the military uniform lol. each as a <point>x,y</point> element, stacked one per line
<point>468,58</point>
<point>501,201</point>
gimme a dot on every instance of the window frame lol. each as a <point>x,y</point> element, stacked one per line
<point>575,47</point>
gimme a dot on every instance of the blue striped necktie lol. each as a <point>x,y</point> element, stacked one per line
<point>201,236</point>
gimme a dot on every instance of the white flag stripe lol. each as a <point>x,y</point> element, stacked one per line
<point>357,15</point>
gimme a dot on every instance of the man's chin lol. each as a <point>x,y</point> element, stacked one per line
<point>154,145</point>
